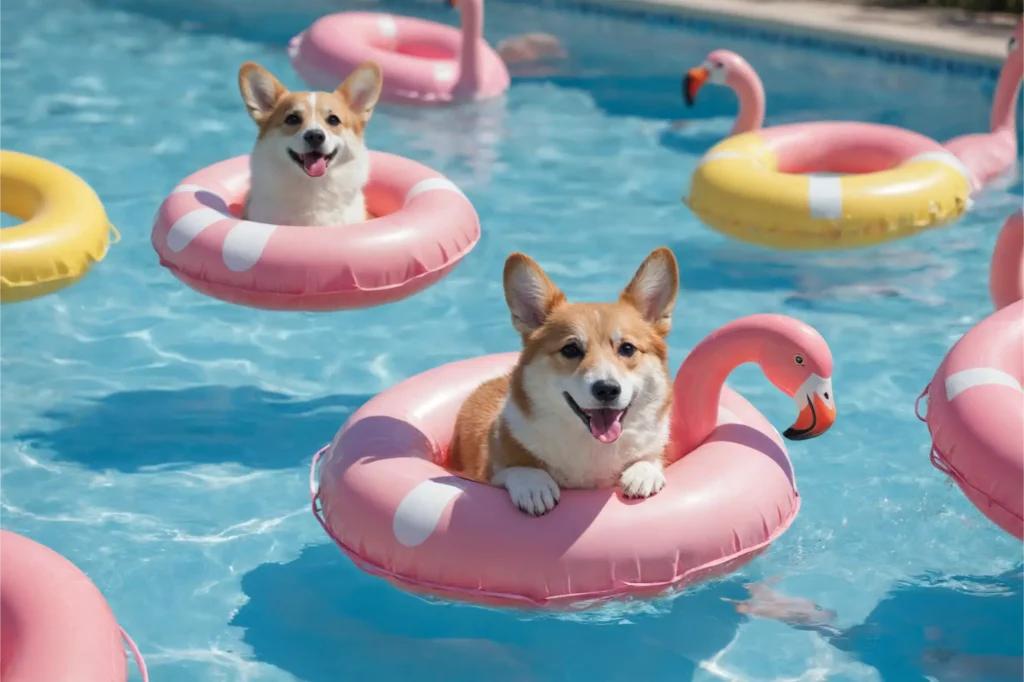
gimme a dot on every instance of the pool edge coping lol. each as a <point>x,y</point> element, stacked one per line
<point>823,25</point>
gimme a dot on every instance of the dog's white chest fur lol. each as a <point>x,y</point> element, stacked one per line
<point>281,195</point>
<point>575,459</point>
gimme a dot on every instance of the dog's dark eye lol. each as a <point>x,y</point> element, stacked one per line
<point>571,350</point>
<point>333,120</point>
<point>293,119</point>
<point>626,350</point>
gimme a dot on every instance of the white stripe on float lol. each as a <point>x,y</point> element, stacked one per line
<point>245,243</point>
<point>420,511</point>
<point>943,157</point>
<point>387,26</point>
<point>189,226</point>
<point>190,188</point>
<point>825,197</point>
<point>979,376</point>
<point>431,184</point>
<point>444,72</point>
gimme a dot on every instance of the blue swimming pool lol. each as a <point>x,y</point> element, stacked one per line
<point>161,440</point>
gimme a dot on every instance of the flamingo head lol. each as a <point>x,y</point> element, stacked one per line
<point>1016,41</point>
<point>796,359</point>
<point>720,67</point>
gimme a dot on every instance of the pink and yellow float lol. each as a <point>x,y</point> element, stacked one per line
<point>382,492</point>
<point>769,186</point>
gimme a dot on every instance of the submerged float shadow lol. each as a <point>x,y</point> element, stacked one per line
<point>889,271</point>
<point>204,424</point>
<point>321,619</point>
<point>945,628</point>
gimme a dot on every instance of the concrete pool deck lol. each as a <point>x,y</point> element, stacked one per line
<point>977,36</point>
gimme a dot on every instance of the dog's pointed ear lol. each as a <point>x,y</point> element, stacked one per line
<point>653,289</point>
<point>260,90</point>
<point>361,89</point>
<point>529,293</point>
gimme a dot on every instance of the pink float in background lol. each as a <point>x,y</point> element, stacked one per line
<point>984,156</point>
<point>55,626</point>
<point>1006,276</point>
<point>976,417</point>
<point>425,226</point>
<point>381,492</point>
<point>423,62</point>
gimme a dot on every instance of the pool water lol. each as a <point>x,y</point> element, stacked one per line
<point>161,440</point>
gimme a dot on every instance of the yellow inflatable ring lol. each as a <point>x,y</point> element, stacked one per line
<point>891,183</point>
<point>65,228</point>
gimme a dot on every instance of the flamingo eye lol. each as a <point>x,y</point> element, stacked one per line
<point>799,359</point>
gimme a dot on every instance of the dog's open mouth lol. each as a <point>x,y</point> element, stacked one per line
<point>605,423</point>
<point>314,163</point>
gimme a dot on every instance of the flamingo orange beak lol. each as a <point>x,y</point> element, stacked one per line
<point>453,3</point>
<point>817,410</point>
<point>692,82</point>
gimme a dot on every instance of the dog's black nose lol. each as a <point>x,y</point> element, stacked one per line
<point>314,138</point>
<point>605,391</point>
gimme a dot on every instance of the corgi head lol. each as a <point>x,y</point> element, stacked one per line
<point>309,132</point>
<point>603,366</point>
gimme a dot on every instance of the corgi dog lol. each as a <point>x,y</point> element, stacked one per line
<point>588,403</point>
<point>310,163</point>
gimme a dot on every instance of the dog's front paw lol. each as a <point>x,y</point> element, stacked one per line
<point>531,489</point>
<point>642,479</point>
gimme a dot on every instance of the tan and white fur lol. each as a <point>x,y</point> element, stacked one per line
<point>588,404</point>
<point>310,162</point>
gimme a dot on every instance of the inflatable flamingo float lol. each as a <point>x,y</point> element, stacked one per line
<point>424,62</point>
<point>988,155</point>
<point>384,496</point>
<point>984,156</point>
<point>765,185</point>
<point>976,398</point>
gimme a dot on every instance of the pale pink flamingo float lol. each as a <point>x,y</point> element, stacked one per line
<point>423,62</point>
<point>984,156</point>
<point>976,398</point>
<point>382,492</point>
<point>989,155</point>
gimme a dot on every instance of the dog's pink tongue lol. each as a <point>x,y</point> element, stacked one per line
<point>606,424</point>
<point>315,164</point>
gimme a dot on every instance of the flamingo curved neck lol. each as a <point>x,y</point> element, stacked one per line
<point>470,67</point>
<point>750,95</point>
<point>1004,104</point>
<point>697,390</point>
<point>1006,274</point>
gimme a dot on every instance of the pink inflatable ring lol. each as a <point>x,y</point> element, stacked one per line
<point>385,498</point>
<point>424,62</point>
<point>56,626</point>
<point>976,417</point>
<point>425,226</point>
